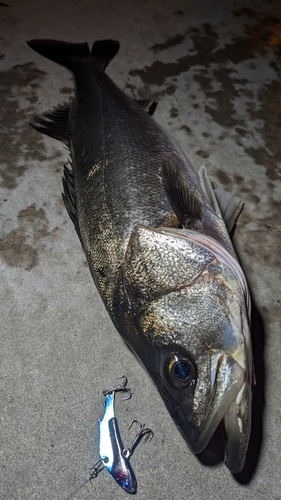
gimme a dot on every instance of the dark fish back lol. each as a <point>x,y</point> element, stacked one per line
<point>118,153</point>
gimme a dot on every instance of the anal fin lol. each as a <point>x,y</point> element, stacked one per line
<point>225,204</point>
<point>230,207</point>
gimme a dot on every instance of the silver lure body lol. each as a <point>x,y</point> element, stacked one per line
<point>111,448</point>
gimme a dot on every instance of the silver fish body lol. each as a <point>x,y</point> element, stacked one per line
<point>158,250</point>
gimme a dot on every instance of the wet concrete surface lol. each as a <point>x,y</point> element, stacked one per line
<point>215,69</point>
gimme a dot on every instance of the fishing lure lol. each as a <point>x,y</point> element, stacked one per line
<point>113,456</point>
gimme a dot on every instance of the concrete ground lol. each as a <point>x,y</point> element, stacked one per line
<point>215,68</point>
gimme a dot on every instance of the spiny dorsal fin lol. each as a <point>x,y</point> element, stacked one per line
<point>69,198</point>
<point>54,123</point>
<point>225,204</point>
<point>149,105</point>
<point>184,199</point>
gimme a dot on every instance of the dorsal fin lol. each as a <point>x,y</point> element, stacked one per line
<point>184,199</point>
<point>225,204</point>
<point>54,123</point>
<point>149,105</point>
<point>69,198</point>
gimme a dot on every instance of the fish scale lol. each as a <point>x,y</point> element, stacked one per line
<point>112,180</point>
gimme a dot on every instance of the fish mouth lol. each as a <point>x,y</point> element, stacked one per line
<point>231,403</point>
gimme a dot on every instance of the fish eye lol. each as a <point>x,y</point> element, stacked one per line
<point>181,370</point>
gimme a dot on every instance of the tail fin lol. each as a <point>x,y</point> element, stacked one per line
<point>64,53</point>
<point>105,50</point>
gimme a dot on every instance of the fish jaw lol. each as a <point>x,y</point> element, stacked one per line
<point>190,305</point>
<point>228,385</point>
<point>237,422</point>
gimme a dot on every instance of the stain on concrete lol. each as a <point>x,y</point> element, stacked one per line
<point>269,112</point>
<point>241,131</point>
<point>168,44</point>
<point>131,88</point>
<point>216,70</point>
<point>187,129</point>
<point>270,185</point>
<point>267,230</point>
<point>243,186</point>
<point>207,57</point>
<point>238,179</point>
<point>202,153</point>
<point>244,11</point>
<point>18,91</point>
<point>223,177</point>
<point>18,248</point>
<point>174,112</point>
<point>169,90</point>
<point>266,31</point>
<point>16,252</point>
<point>67,90</point>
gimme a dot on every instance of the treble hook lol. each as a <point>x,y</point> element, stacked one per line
<point>127,452</point>
<point>118,388</point>
<point>96,469</point>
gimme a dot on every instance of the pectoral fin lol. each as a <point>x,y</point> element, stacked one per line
<point>230,208</point>
<point>184,199</point>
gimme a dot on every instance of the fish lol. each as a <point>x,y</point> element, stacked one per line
<point>157,240</point>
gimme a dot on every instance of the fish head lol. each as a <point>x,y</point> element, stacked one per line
<point>190,329</point>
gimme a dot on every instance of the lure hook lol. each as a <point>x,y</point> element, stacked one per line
<point>96,469</point>
<point>113,456</point>
<point>127,452</point>
<point>120,387</point>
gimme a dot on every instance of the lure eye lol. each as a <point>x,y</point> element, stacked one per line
<point>181,370</point>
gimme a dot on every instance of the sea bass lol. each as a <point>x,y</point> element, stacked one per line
<point>157,245</point>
